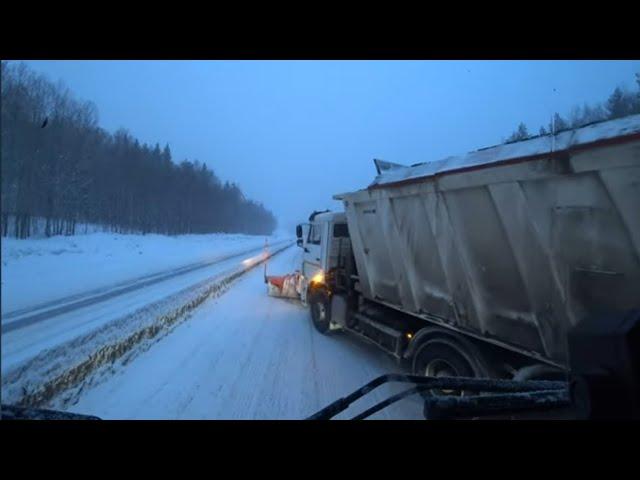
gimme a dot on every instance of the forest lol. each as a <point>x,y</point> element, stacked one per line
<point>60,168</point>
<point>620,103</point>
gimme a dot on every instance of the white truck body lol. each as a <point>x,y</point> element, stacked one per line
<point>510,245</point>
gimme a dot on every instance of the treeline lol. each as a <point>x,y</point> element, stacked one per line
<point>60,166</point>
<point>620,103</point>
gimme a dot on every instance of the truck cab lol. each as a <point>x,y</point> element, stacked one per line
<point>326,248</point>
<point>326,233</point>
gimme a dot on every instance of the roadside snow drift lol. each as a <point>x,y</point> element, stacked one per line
<point>54,370</point>
<point>35,271</point>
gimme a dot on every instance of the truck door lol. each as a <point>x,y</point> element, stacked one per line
<point>311,262</point>
<point>302,232</point>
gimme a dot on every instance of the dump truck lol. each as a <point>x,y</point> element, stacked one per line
<point>490,264</point>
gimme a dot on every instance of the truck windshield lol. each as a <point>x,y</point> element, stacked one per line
<point>315,234</point>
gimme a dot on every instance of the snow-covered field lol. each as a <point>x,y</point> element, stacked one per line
<point>243,355</point>
<point>40,270</point>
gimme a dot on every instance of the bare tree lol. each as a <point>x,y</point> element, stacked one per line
<point>57,164</point>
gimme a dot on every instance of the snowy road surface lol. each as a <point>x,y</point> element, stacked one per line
<point>245,355</point>
<point>37,271</point>
<point>27,335</point>
<point>28,316</point>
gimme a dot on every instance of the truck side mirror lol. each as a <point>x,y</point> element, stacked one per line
<point>299,231</point>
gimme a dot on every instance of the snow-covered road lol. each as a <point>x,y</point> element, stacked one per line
<point>244,355</point>
<point>39,271</point>
<point>44,327</point>
<point>28,316</point>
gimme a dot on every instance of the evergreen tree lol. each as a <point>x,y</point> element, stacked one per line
<point>58,164</point>
<point>618,104</point>
<point>558,124</point>
<point>520,134</point>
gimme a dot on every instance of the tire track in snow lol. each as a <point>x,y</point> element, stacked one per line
<point>314,367</point>
<point>249,365</point>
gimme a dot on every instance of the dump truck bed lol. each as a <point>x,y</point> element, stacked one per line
<point>512,244</point>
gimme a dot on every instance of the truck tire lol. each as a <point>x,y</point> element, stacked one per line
<point>441,357</point>
<point>320,307</point>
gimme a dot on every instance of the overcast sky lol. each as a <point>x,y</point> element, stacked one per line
<point>293,133</point>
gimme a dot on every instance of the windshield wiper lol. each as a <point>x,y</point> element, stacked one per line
<point>11,412</point>
<point>512,396</point>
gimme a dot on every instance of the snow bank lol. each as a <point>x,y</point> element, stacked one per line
<point>37,270</point>
<point>64,367</point>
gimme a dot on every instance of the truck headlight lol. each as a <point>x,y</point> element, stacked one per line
<point>318,277</point>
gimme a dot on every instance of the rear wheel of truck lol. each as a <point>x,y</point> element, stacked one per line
<point>442,357</point>
<point>320,307</point>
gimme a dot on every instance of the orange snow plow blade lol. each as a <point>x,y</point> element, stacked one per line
<point>286,286</point>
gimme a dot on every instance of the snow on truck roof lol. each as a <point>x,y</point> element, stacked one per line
<point>583,136</point>
<point>330,216</point>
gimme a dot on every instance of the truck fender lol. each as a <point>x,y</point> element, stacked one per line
<point>467,348</point>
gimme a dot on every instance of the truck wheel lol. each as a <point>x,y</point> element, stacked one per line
<point>442,358</point>
<point>320,306</point>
